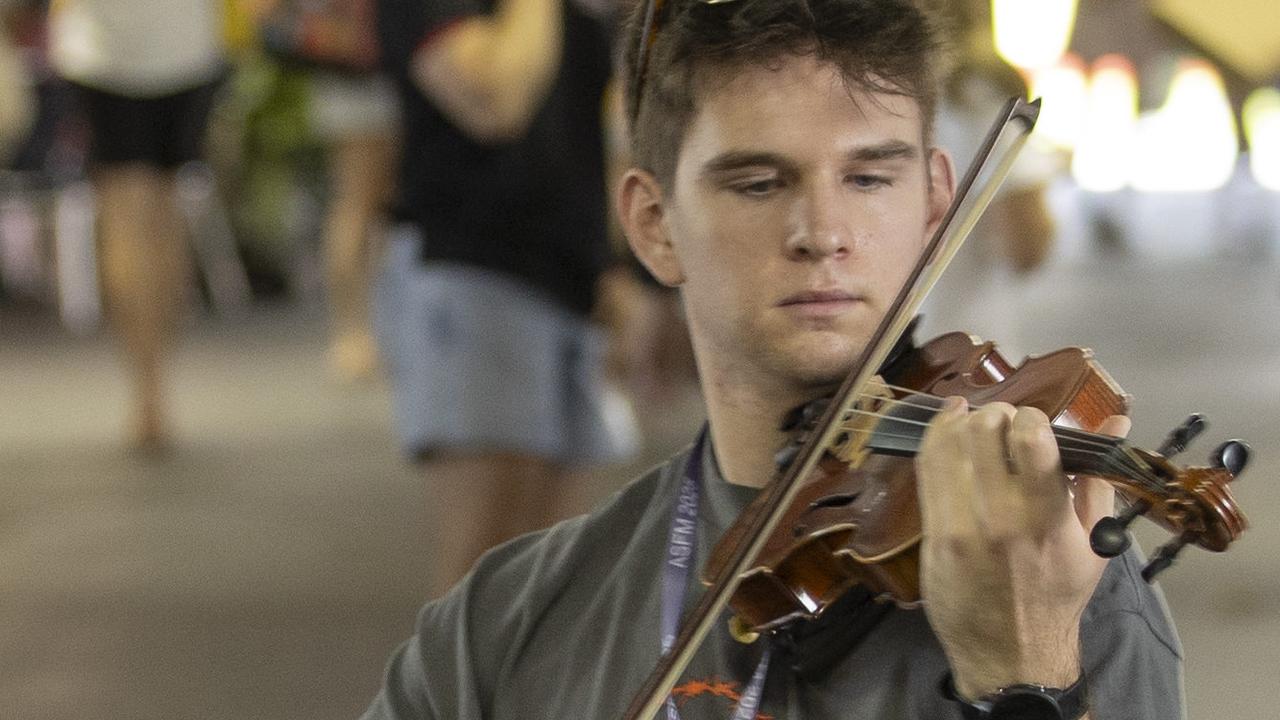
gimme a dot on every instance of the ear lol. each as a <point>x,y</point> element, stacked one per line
<point>643,217</point>
<point>942,188</point>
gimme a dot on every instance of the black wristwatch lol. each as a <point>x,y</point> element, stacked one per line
<point>1022,702</point>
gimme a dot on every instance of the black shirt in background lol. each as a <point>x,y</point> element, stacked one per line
<point>534,208</point>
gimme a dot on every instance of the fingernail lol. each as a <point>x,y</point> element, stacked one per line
<point>955,405</point>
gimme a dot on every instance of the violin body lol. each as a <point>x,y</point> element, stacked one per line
<point>856,519</point>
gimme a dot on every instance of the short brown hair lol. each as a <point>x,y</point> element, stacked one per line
<point>880,46</point>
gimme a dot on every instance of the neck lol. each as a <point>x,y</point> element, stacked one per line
<point>745,417</point>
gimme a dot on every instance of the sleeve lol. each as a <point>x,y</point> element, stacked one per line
<point>462,641</point>
<point>431,676</point>
<point>404,25</point>
<point>1132,656</point>
<point>401,696</point>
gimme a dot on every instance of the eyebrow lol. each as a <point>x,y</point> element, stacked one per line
<point>889,150</point>
<point>738,159</point>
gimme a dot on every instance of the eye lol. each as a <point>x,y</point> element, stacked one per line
<point>866,181</point>
<point>760,187</point>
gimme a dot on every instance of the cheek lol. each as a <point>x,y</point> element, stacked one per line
<point>902,233</point>
<point>719,245</point>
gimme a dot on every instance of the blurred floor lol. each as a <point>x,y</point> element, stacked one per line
<point>268,567</point>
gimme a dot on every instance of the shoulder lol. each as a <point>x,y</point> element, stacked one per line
<point>528,605</point>
<point>539,564</point>
<point>519,589</point>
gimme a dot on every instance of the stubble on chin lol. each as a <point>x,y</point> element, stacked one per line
<point>813,368</point>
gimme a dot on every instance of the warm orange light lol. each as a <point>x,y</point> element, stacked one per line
<point>1262,129</point>
<point>1064,89</point>
<point>1190,144</point>
<point>1032,33</point>
<point>1102,158</point>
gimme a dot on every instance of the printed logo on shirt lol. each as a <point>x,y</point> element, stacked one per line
<point>725,694</point>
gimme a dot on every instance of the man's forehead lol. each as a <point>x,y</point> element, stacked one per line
<point>794,99</point>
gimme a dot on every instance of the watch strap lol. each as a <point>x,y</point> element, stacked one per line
<point>1022,702</point>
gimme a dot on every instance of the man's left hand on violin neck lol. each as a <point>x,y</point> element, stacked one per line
<point>1006,566</point>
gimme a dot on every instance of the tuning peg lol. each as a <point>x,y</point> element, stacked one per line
<point>1164,557</point>
<point>1110,536</point>
<point>1232,455</point>
<point>1181,437</point>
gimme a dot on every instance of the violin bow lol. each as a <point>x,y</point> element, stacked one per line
<point>1016,121</point>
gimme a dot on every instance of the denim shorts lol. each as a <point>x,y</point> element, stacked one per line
<point>480,361</point>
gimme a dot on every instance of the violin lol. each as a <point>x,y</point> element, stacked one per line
<point>842,509</point>
<point>856,518</point>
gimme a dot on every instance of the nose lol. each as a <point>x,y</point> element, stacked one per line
<point>820,227</point>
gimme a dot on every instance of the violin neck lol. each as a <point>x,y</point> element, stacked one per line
<point>1081,452</point>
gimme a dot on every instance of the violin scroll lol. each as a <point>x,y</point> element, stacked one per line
<point>1194,503</point>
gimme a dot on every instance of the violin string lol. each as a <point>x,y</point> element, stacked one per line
<point>1111,450</point>
<point>916,438</point>
<point>1060,430</point>
<point>1103,460</point>
<point>1107,451</point>
<point>1066,448</point>
<point>1113,444</point>
<point>1102,441</point>
<point>1084,434</point>
<point>1069,440</point>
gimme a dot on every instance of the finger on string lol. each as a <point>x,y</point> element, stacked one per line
<point>1039,467</point>
<point>944,474</point>
<point>992,458</point>
<point>1075,440</point>
<point>1116,426</point>
<point>1095,498</point>
<point>1100,441</point>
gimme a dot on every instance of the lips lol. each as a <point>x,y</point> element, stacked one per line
<point>817,297</point>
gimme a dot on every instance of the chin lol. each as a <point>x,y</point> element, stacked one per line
<point>818,361</point>
<point>819,377</point>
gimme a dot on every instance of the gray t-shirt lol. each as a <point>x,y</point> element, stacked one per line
<point>565,624</point>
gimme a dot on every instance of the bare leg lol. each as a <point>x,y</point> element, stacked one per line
<point>144,273</point>
<point>361,169</point>
<point>480,500</point>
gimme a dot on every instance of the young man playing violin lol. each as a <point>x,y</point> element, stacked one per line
<point>784,181</point>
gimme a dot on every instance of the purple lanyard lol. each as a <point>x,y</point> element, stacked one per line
<point>681,549</point>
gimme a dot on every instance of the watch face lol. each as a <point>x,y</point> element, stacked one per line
<point>1025,705</point>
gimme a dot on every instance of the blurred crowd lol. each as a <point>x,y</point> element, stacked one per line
<point>164,156</point>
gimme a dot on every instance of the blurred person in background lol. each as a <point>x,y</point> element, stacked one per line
<point>979,292</point>
<point>353,114</point>
<point>499,258</point>
<point>146,72</point>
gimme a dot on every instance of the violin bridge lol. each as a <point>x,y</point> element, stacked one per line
<point>859,421</point>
